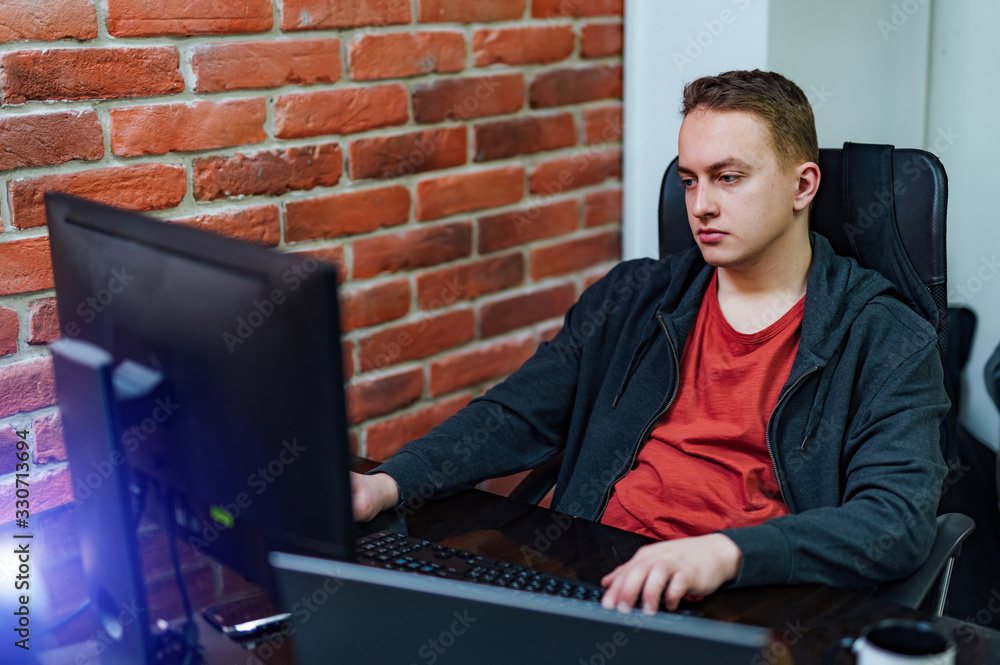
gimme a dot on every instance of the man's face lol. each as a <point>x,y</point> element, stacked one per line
<point>740,202</point>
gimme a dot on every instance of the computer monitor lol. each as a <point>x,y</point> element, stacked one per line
<point>221,412</point>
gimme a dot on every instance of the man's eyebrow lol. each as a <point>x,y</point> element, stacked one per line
<point>727,163</point>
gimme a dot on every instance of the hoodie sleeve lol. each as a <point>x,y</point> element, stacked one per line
<point>893,475</point>
<point>520,423</point>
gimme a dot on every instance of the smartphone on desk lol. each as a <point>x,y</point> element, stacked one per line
<point>246,617</point>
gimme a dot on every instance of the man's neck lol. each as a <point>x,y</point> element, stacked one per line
<point>752,299</point>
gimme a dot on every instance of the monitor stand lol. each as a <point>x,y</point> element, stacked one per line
<point>89,396</point>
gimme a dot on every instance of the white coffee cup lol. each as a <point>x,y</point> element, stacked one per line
<point>899,642</point>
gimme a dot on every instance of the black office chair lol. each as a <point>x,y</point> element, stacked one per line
<point>895,225</point>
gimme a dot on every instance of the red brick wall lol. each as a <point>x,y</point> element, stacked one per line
<point>460,161</point>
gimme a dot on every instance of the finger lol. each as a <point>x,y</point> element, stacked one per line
<point>613,581</point>
<point>652,590</point>
<point>678,586</point>
<point>612,576</point>
<point>613,597</point>
<point>632,584</point>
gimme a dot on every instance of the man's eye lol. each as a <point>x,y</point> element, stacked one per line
<point>729,179</point>
<point>687,182</point>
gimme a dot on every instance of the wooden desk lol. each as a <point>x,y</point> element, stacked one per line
<point>807,618</point>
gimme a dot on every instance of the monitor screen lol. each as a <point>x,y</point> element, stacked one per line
<point>228,381</point>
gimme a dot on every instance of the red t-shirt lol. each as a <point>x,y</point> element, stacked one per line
<point>706,466</point>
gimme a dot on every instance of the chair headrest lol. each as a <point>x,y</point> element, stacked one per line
<point>883,207</point>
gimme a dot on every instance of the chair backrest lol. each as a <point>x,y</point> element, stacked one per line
<point>881,206</point>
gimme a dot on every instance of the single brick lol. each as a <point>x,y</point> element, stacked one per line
<point>499,232</point>
<point>462,98</point>
<point>268,172</point>
<point>586,168</point>
<point>26,386</point>
<point>406,250</point>
<point>577,85</point>
<point>411,341</point>
<point>384,438</point>
<point>604,124</point>
<point>31,20</point>
<point>600,40</point>
<point>448,195</point>
<point>366,306</point>
<point>259,224</point>
<point>343,111</point>
<point>50,138</point>
<point>404,154</point>
<point>378,396</point>
<point>43,321</point>
<point>575,255</point>
<point>49,443</point>
<point>223,66</point>
<point>346,213</point>
<point>523,46</point>
<point>524,136</point>
<point>138,187</point>
<point>347,352</point>
<point>440,288</point>
<point>333,256</point>
<point>25,266</point>
<point>323,14</point>
<point>470,11</point>
<point>89,73</point>
<point>154,130</point>
<point>392,55</point>
<point>49,489</point>
<point>502,316</point>
<point>553,8</point>
<point>9,330</point>
<point>478,364</point>
<point>603,207</point>
<point>127,18</point>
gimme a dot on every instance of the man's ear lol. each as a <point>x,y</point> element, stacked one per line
<point>807,184</point>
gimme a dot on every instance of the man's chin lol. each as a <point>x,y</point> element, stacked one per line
<point>715,257</point>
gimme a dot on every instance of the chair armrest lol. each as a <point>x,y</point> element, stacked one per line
<point>913,590</point>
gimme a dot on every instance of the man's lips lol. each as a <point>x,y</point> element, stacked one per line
<point>711,235</point>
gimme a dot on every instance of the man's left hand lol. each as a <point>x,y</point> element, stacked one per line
<point>671,570</point>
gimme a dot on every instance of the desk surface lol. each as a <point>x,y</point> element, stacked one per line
<point>806,618</point>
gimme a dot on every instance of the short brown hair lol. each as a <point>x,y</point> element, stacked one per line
<point>771,97</point>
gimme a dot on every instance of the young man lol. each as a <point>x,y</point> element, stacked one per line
<point>764,406</point>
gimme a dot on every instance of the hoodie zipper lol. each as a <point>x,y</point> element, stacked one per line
<point>649,426</point>
<point>767,430</point>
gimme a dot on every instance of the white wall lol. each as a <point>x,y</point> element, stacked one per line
<point>911,73</point>
<point>669,44</point>
<point>962,131</point>
<point>865,77</point>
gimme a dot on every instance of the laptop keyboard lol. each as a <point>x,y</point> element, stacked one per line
<point>385,549</point>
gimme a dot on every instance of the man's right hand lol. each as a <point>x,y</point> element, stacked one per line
<point>372,494</point>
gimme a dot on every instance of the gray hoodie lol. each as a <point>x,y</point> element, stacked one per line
<point>854,437</point>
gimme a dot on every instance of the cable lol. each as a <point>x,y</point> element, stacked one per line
<point>63,620</point>
<point>192,649</point>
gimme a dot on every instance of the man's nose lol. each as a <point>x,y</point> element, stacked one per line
<point>702,202</point>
